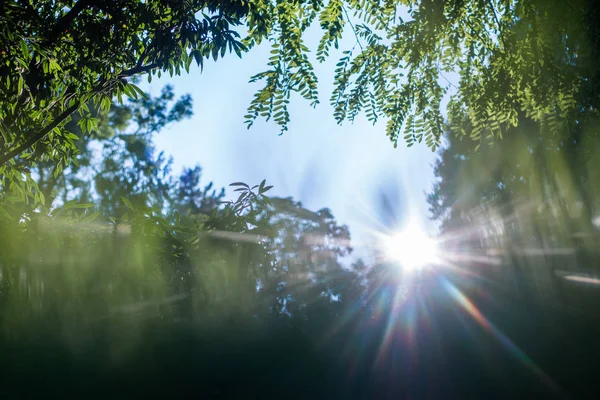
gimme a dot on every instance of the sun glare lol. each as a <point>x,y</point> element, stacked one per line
<point>410,247</point>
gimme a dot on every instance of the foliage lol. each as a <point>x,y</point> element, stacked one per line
<point>510,61</point>
<point>122,151</point>
<point>190,198</point>
<point>61,57</point>
<point>306,248</point>
<point>122,207</point>
<point>533,194</point>
<point>74,264</point>
<point>525,176</point>
<point>151,244</point>
<point>524,212</point>
<point>106,257</point>
<point>58,57</point>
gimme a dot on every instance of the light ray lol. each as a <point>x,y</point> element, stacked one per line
<point>391,326</point>
<point>478,316</point>
<point>583,279</point>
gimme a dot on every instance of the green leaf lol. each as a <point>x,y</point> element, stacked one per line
<point>82,205</point>
<point>138,91</point>
<point>127,203</point>
<point>91,217</point>
<point>24,50</point>
<point>239,184</point>
<point>241,197</point>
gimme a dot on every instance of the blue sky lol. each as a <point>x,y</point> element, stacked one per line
<point>346,168</point>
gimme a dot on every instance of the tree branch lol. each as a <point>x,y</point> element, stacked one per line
<point>498,24</point>
<point>4,158</point>
<point>60,27</point>
<point>31,77</point>
<point>352,26</point>
<point>494,14</point>
<point>38,136</point>
<point>65,21</point>
<point>137,70</point>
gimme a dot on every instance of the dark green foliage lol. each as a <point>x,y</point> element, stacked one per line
<point>510,61</point>
<point>524,212</point>
<point>306,248</point>
<point>67,56</point>
<point>523,196</point>
<point>529,178</point>
<point>118,160</point>
<point>61,57</point>
<point>190,198</point>
<point>123,240</point>
<point>58,57</point>
<point>538,176</point>
<point>134,282</point>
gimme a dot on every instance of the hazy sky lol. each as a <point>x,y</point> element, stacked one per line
<point>347,168</point>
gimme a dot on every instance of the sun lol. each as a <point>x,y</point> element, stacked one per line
<point>410,247</point>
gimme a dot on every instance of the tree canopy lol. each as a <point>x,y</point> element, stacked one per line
<point>113,266</point>
<point>58,56</point>
<point>167,236</point>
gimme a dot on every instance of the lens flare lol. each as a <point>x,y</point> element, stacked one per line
<point>411,247</point>
<point>478,316</point>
